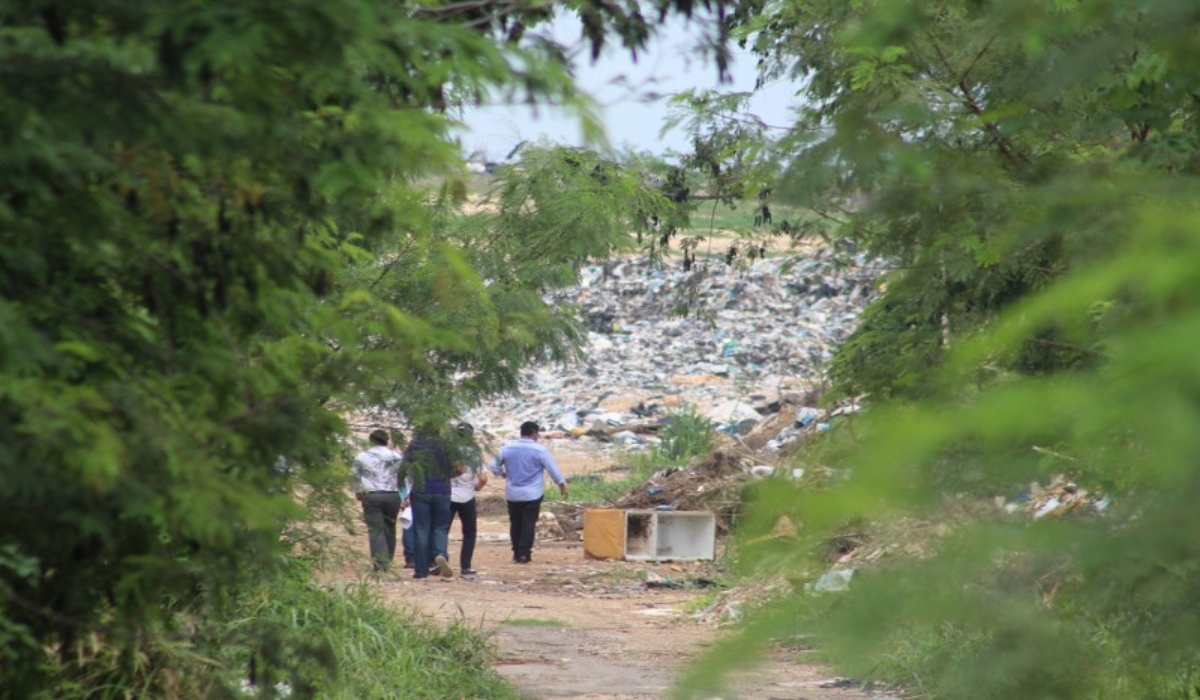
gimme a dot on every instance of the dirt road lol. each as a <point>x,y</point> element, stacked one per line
<point>571,627</point>
<point>568,627</point>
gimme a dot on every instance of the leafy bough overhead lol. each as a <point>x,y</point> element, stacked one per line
<point>200,203</point>
<point>1030,169</point>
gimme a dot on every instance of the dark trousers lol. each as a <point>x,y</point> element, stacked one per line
<point>380,510</point>
<point>431,529</point>
<point>522,526</point>
<point>467,516</point>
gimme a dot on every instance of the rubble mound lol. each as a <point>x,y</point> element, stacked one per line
<point>713,484</point>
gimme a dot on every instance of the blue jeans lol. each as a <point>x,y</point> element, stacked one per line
<point>431,529</point>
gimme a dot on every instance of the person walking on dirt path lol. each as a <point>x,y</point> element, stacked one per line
<point>376,471</point>
<point>428,467</point>
<point>471,477</point>
<point>523,464</point>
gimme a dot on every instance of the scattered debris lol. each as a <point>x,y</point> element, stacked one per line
<point>784,529</point>
<point>833,581</point>
<point>713,484</point>
<point>1059,498</point>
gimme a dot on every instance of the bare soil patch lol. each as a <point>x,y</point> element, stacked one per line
<point>567,627</point>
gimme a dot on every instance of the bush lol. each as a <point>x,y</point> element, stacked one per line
<point>688,434</point>
<point>344,641</point>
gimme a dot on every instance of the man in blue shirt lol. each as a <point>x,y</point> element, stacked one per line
<point>522,464</point>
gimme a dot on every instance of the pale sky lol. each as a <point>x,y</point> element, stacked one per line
<point>624,91</point>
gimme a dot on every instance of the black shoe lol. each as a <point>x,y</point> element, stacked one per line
<point>468,571</point>
<point>408,565</point>
<point>524,560</point>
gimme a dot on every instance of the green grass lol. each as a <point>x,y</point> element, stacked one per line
<point>346,642</point>
<point>609,490</point>
<point>534,622</point>
<point>687,435</point>
<point>700,602</point>
<point>713,217</point>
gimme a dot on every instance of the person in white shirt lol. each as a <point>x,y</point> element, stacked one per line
<point>471,478</point>
<point>376,472</point>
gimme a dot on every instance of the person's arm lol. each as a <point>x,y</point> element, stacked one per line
<point>498,464</point>
<point>403,478</point>
<point>481,479</point>
<point>356,469</point>
<point>397,468</point>
<point>555,473</point>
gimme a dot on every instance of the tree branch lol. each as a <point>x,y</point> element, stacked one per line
<point>454,9</point>
<point>824,215</point>
<point>972,103</point>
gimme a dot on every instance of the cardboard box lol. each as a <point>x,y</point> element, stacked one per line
<point>604,533</point>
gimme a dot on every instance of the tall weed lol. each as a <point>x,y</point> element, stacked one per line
<point>686,434</point>
<point>344,642</point>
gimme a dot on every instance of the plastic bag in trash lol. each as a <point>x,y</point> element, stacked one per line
<point>834,581</point>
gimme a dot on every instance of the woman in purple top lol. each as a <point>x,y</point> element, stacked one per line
<point>428,466</point>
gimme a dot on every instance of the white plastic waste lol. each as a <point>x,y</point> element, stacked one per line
<point>1047,508</point>
<point>834,581</point>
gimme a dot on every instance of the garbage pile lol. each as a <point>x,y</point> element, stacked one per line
<point>1058,498</point>
<point>713,485</point>
<point>735,343</point>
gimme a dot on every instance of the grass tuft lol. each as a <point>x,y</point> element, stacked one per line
<point>534,622</point>
<point>344,641</point>
<point>686,434</point>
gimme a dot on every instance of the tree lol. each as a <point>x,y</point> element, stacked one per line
<point>480,274</point>
<point>191,191</point>
<point>1029,169</point>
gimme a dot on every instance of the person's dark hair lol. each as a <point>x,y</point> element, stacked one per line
<point>378,436</point>
<point>529,428</point>
<point>464,429</point>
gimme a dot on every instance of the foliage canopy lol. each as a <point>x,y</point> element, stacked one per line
<point>216,234</point>
<point>1028,169</point>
